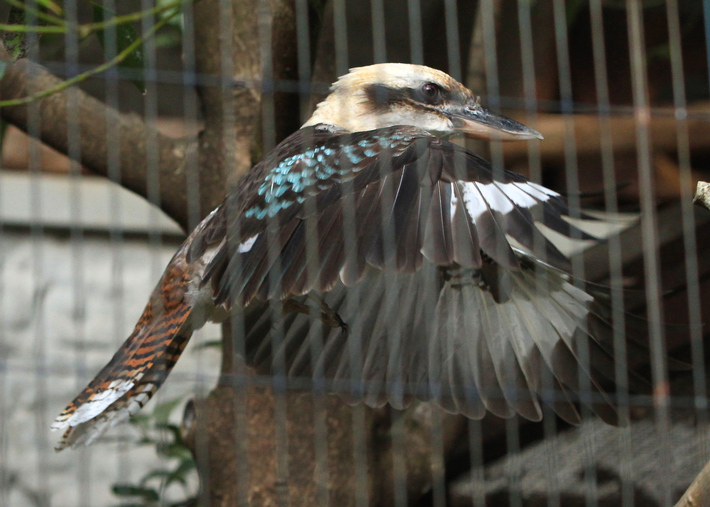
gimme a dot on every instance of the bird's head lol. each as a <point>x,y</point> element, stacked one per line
<point>390,94</point>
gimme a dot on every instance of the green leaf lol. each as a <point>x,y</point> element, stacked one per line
<point>140,420</point>
<point>125,36</point>
<point>169,37</point>
<point>147,494</point>
<point>51,6</point>
<point>162,411</point>
<point>186,466</point>
<point>160,474</point>
<point>178,475</point>
<point>16,42</point>
<point>173,451</point>
<point>210,344</point>
<point>175,22</point>
<point>3,67</point>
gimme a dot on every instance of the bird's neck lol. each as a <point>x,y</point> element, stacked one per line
<point>343,111</point>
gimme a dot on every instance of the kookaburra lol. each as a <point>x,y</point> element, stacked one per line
<point>372,257</point>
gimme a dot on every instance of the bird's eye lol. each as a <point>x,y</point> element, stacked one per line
<point>430,90</point>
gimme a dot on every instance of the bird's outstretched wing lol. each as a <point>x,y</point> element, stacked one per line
<point>389,198</point>
<point>390,265</point>
<point>394,265</point>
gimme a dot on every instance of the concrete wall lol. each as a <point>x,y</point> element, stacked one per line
<point>66,302</point>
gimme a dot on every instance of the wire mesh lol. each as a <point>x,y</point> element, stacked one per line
<point>266,406</point>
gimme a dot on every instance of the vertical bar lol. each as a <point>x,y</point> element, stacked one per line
<point>478,479</point>
<point>78,310</point>
<point>706,19</point>
<point>615,260</point>
<point>279,372</point>
<point>4,376</point>
<point>529,85</point>
<point>689,227</point>
<point>378,31</point>
<point>151,116</point>
<point>150,105</point>
<point>233,329</point>
<point>571,173</point>
<point>549,395</point>
<point>642,115</point>
<point>490,12</point>
<point>362,483</point>
<point>5,475</point>
<point>190,111</point>
<point>113,152</point>
<point>341,37</point>
<point>304,57</point>
<point>416,44</point>
<point>190,115</point>
<point>320,405</point>
<point>453,49</point>
<point>39,337</point>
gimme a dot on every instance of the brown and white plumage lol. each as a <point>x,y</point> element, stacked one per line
<point>373,257</point>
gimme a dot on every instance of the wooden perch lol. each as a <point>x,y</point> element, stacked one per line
<point>698,494</point>
<point>588,133</point>
<point>702,195</point>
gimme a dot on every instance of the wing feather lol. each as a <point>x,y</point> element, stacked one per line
<point>400,281</point>
<point>379,264</point>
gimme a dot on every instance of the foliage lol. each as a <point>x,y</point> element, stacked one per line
<point>124,35</point>
<point>157,431</point>
<point>28,20</point>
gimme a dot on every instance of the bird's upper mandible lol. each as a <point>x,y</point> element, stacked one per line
<point>390,94</point>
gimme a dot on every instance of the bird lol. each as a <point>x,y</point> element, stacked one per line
<point>371,256</point>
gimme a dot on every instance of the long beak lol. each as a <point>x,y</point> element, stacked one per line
<point>475,121</point>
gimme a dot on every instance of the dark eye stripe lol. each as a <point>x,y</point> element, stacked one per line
<point>383,97</point>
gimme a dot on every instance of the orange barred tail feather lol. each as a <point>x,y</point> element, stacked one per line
<point>139,367</point>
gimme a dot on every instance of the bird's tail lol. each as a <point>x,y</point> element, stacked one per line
<point>139,367</point>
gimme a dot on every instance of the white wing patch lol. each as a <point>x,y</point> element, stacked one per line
<point>543,189</point>
<point>246,245</point>
<point>454,200</point>
<point>537,191</point>
<point>518,196</point>
<point>500,197</point>
<point>495,198</point>
<point>472,200</point>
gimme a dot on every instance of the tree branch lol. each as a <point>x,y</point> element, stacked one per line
<point>588,129</point>
<point>98,126</point>
<point>698,494</point>
<point>702,195</point>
